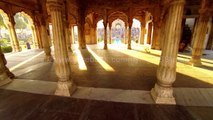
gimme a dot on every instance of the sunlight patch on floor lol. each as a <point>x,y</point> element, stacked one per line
<point>139,55</point>
<point>106,66</point>
<point>81,63</point>
<point>199,73</point>
<point>22,63</point>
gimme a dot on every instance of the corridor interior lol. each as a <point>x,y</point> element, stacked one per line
<point>115,68</point>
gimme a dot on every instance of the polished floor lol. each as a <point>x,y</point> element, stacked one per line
<point>27,106</point>
<point>116,68</point>
<point>113,84</point>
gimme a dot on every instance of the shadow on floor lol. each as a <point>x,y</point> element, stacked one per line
<point>130,73</point>
<point>27,106</point>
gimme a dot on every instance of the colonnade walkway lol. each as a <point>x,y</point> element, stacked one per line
<point>115,75</point>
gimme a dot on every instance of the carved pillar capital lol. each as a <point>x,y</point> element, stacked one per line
<point>55,5</point>
<point>172,2</point>
<point>130,21</point>
<point>205,13</point>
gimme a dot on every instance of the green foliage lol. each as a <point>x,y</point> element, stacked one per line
<point>21,22</point>
<point>6,49</point>
<point>4,45</point>
<point>3,42</point>
<point>2,25</point>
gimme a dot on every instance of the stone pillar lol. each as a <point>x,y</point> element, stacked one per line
<point>65,86</point>
<point>142,33</point>
<point>37,30</point>
<point>210,41</point>
<point>46,42</point>
<point>67,36</point>
<point>93,34</point>
<point>110,33</point>
<point>198,36</point>
<point>81,27</point>
<point>34,36</point>
<point>105,34</point>
<point>71,35</point>
<point>156,36</point>
<point>8,25</point>
<point>166,72</point>
<point>149,35</point>
<point>129,33</point>
<point>81,35</point>
<point>126,34</point>
<point>13,36</point>
<point>5,74</point>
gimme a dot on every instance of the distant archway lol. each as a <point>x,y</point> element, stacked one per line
<point>5,38</point>
<point>25,31</point>
<point>100,31</point>
<point>118,31</point>
<point>136,29</point>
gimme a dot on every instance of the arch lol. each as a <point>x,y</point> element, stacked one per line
<point>93,17</point>
<point>6,21</point>
<point>118,31</point>
<point>117,12</point>
<point>5,16</point>
<point>29,18</point>
<point>118,15</point>
<point>72,19</point>
<point>31,37</point>
<point>100,31</point>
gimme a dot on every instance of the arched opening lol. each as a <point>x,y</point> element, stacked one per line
<point>25,31</point>
<point>136,29</point>
<point>5,39</point>
<point>100,31</point>
<point>118,31</point>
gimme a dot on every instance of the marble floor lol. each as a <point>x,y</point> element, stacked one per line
<point>115,68</point>
<point>114,75</point>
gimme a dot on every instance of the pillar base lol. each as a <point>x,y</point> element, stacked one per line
<point>105,47</point>
<point>83,47</point>
<point>66,88</point>
<point>163,95</point>
<point>69,49</point>
<point>10,74</point>
<point>195,62</point>
<point>4,79</point>
<point>17,50</point>
<point>129,47</point>
<point>48,59</point>
<point>157,47</point>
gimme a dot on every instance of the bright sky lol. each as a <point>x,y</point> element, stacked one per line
<point>136,23</point>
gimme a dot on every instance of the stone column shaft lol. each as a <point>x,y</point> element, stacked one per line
<point>34,36</point>
<point>166,72</point>
<point>105,34</point>
<point>93,35</point>
<point>81,36</point>
<point>37,30</point>
<point>156,37</point>
<point>67,36</point>
<point>149,35</point>
<point>46,44</point>
<point>5,74</point>
<point>129,34</point>
<point>110,34</point>
<point>65,85</point>
<point>13,36</point>
<point>198,37</point>
<point>142,33</point>
<point>210,41</point>
<point>126,34</point>
<point>71,35</point>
